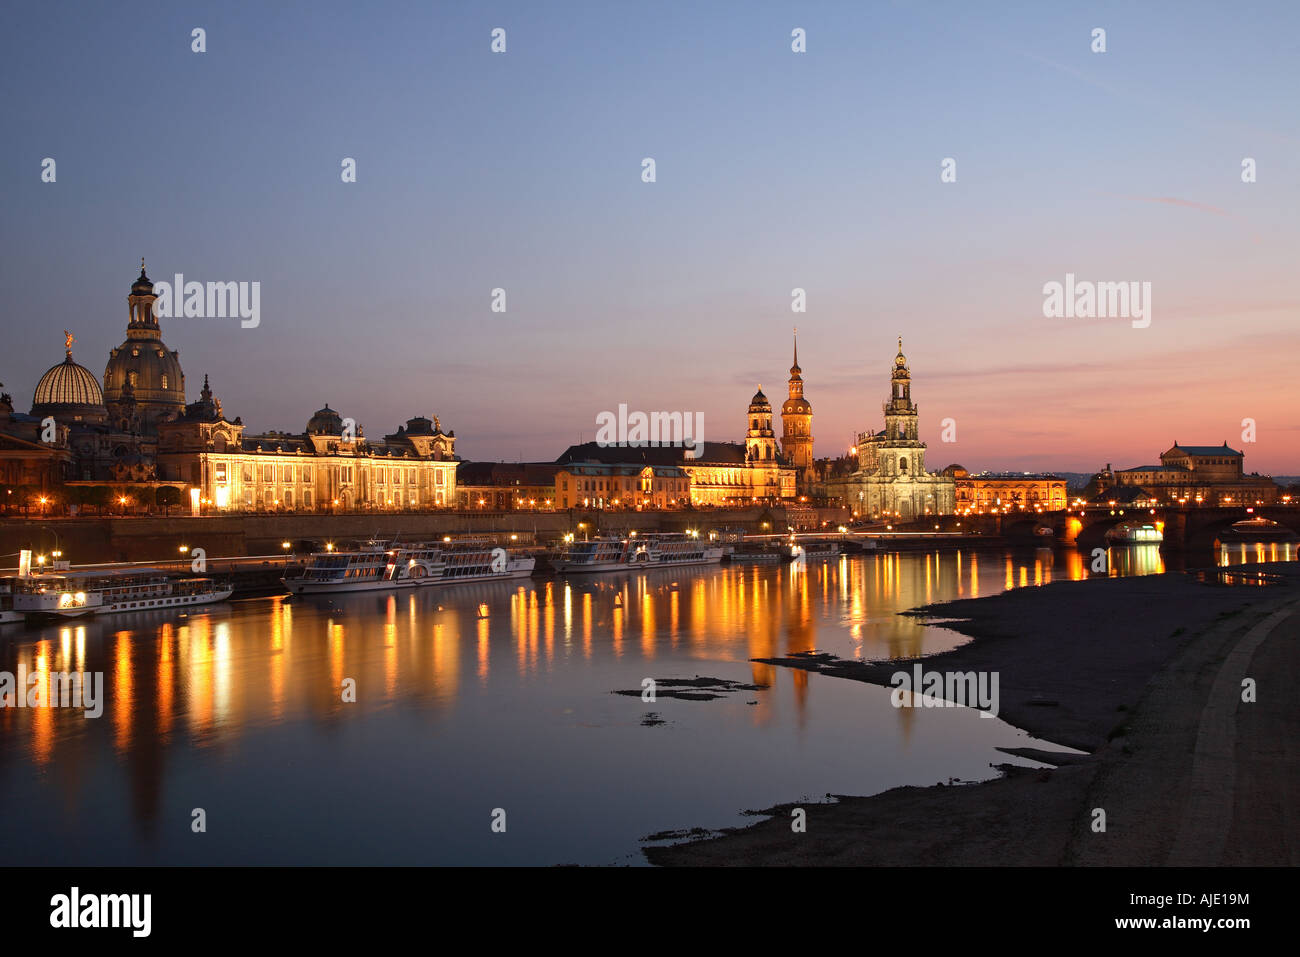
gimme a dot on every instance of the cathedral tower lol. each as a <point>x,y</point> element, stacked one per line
<point>796,424</point>
<point>900,411</point>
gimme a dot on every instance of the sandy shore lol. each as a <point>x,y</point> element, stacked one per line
<point>1144,674</point>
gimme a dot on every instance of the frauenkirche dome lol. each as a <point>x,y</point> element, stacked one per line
<point>145,363</point>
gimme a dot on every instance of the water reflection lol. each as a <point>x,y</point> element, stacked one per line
<point>1243,553</point>
<point>489,688</point>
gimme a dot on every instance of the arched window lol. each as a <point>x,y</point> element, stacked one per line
<point>164,381</point>
<point>902,465</point>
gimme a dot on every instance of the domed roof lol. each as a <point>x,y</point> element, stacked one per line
<point>759,402</point>
<point>325,422</point>
<point>151,369</point>
<point>796,405</point>
<point>144,363</point>
<point>68,388</point>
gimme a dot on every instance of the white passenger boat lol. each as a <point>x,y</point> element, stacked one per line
<point>813,551</point>
<point>648,551</point>
<point>70,594</point>
<point>383,566</point>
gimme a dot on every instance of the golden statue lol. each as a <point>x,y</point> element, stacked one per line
<point>68,340</point>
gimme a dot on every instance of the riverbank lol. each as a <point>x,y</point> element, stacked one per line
<point>1142,673</point>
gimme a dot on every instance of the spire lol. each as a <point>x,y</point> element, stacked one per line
<point>794,369</point>
<point>206,394</point>
<point>900,360</point>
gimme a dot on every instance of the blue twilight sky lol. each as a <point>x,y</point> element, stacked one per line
<point>775,170</point>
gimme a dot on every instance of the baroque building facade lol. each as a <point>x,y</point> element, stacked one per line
<point>717,473</point>
<point>990,491</point>
<point>890,480</point>
<point>328,466</point>
<point>138,433</point>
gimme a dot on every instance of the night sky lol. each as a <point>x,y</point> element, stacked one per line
<point>775,170</point>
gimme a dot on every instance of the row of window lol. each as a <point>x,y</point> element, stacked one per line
<point>627,485</point>
<point>282,473</point>
<point>156,603</point>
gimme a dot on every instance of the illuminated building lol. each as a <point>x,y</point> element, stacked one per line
<point>990,491</point>
<point>143,382</point>
<point>890,480</point>
<point>330,465</point>
<point>507,487</point>
<point>721,473</point>
<point>1199,474</point>
<point>600,485</point>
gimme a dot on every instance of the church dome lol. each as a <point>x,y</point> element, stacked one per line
<point>325,422</point>
<point>796,405</point>
<point>145,363</point>
<point>150,369</point>
<point>759,403</point>
<point>68,389</point>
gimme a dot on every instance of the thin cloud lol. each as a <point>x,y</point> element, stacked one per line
<point>1175,201</point>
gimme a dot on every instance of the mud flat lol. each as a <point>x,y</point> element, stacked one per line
<point>1145,675</point>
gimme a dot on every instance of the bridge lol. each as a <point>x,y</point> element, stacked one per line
<point>1185,527</point>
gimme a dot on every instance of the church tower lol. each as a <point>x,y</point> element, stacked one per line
<point>901,414</point>
<point>796,424</point>
<point>760,440</point>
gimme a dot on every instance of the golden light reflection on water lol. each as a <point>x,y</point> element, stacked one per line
<point>210,676</point>
<point>1242,553</point>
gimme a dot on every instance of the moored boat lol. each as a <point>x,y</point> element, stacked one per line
<point>383,566</point>
<point>71,594</point>
<point>612,554</point>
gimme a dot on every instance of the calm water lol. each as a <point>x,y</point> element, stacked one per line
<point>237,709</point>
